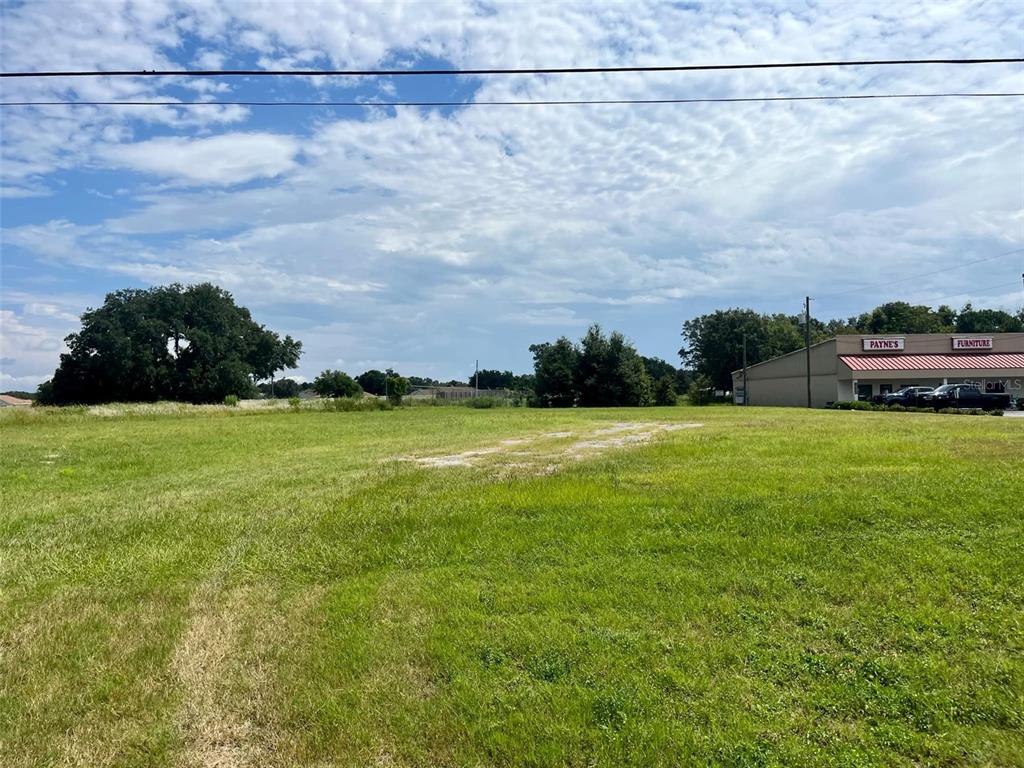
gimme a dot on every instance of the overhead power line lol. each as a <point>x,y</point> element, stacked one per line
<point>973,291</point>
<point>514,103</point>
<point>922,274</point>
<point>498,71</point>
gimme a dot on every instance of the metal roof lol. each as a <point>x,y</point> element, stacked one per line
<point>12,400</point>
<point>931,362</point>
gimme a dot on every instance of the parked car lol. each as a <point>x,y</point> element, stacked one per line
<point>908,396</point>
<point>965,396</point>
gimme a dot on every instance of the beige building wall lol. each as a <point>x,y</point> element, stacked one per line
<point>791,390</point>
<point>783,380</point>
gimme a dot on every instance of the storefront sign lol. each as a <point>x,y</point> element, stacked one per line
<point>883,345</point>
<point>984,343</point>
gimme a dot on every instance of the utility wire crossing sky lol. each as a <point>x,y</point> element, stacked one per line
<point>481,72</point>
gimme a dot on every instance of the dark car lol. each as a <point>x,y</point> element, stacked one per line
<point>908,396</point>
<point>965,396</point>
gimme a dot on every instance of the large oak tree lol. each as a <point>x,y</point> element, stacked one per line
<point>174,342</point>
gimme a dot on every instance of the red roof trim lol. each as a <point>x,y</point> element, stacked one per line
<point>931,362</point>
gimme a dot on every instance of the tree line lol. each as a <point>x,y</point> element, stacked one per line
<point>195,344</point>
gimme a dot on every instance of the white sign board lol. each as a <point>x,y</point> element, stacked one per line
<point>884,345</point>
<point>978,343</point>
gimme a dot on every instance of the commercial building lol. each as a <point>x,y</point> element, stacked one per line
<point>858,367</point>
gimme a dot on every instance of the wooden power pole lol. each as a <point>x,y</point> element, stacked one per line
<point>746,394</point>
<point>807,340</point>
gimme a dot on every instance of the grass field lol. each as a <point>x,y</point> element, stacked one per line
<point>456,587</point>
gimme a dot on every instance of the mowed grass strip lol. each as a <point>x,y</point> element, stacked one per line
<point>777,587</point>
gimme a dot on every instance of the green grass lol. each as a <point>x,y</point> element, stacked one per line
<point>778,587</point>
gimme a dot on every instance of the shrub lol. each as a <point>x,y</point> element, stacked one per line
<point>996,412</point>
<point>665,391</point>
<point>855,405</point>
<point>398,387</point>
<point>349,404</point>
<point>294,403</point>
<point>701,391</point>
<point>231,401</point>
<point>332,383</point>
<point>482,402</point>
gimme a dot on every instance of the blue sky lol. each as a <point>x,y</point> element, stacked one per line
<point>426,239</point>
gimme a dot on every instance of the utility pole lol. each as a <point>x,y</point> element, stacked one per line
<point>807,339</point>
<point>746,395</point>
<point>476,384</point>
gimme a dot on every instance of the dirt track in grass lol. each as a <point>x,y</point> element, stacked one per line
<point>546,452</point>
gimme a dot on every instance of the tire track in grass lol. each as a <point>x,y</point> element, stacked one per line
<point>521,453</point>
<point>224,665</point>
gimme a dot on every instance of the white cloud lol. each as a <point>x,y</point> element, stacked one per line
<point>422,231</point>
<point>558,317</point>
<point>28,351</point>
<point>220,160</point>
<point>43,309</point>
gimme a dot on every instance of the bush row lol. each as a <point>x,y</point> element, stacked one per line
<point>484,401</point>
<point>342,404</point>
<point>863,405</point>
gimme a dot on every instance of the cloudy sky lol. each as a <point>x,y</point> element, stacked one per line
<point>427,238</point>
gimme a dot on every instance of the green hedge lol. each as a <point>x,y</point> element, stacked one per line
<point>863,405</point>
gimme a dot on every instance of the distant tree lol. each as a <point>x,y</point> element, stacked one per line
<point>372,381</point>
<point>971,320</point>
<point>714,342</point>
<point>524,382</point>
<point>610,372</point>
<point>683,380</point>
<point>901,317</point>
<point>555,373</point>
<point>331,383</point>
<point>398,387</point>
<point>835,327</point>
<point>168,343</point>
<point>701,390</point>
<point>421,381</point>
<point>282,388</point>
<point>947,316</point>
<point>491,379</point>
<point>656,367</point>
<point>44,394</point>
<point>665,391</point>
